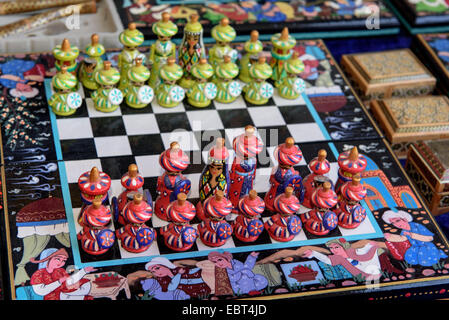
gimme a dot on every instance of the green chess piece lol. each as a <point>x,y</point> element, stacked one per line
<point>168,94</point>
<point>137,94</point>
<point>223,34</point>
<point>292,86</point>
<point>65,55</point>
<point>202,92</point>
<point>227,89</point>
<point>258,91</point>
<point>163,48</point>
<point>107,98</point>
<point>283,44</point>
<point>130,38</point>
<point>252,48</point>
<point>64,101</point>
<point>92,64</point>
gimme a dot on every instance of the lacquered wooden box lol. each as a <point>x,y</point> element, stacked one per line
<point>405,120</point>
<point>386,74</point>
<point>428,166</point>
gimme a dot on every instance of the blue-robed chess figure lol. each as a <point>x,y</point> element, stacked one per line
<point>421,249</point>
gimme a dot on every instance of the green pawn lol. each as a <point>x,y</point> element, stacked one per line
<point>92,64</point>
<point>168,93</point>
<point>107,98</point>
<point>252,47</point>
<point>291,86</point>
<point>64,101</point>
<point>130,38</point>
<point>202,92</point>
<point>137,94</point>
<point>283,44</point>
<point>223,34</point>
<point>258,91</point>
<point>227,89</point>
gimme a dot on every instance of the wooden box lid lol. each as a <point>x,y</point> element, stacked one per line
<point>414,118</point>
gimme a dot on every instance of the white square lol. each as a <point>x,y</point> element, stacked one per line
<point>112,146</point>
<point>238,103</point>
<point>74,128</point>
<point>157,222</point>
<point>139,124</point>
<point>186,140</point>
<point>74,169</point>
<point>149,166</point>
<point>94,113</point>
<point>204,120</point>
<point>364,228</point>
<point>157,108</point>
<point>116,188</point>
<point>194,180</point>
<point>266,116</point>
<point>333,172</point>
<point>305,132</point>
<point>282,102</point>
<point>262,180</point>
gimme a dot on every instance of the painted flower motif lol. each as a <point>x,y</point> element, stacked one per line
<point>177,93</point>
<point>266,90</point>
<point>210,90</point>
<point>189,235</point>
<point>146,94</point>
<point>294,225</point>
<point>234,89</point>
<point>74,100</point>
<point>255,227</point>
<point>115,96</point>
<point>331,221</point>
<point>106,239</point>
<point>299,85</point>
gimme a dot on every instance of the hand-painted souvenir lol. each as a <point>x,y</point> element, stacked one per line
<point>243,170</point>
<point>291,86</point>
<point>135,236</point>
<point>350,212</point>
<point>64,101</point>
<point>130,38</point>
<point>95,238</point>
<point>285,224</point>
<point>92,63</point>
<point>132,181</point>
<point>94,184</point>
<point>321,219</point>
<point>258,91</point>
<point>283,44</point>
<point>107,98</point>
<point>223,35</point>
<point>350,163</point>
<point>191,49</point>
<point>248,226</point>
<point>284,175</point>
<point>168,93</point>
<point>214,231</point>
<point>319,167</point>
<point>178,234</point>
<point>252,48</point>
<point>227,89</point>
<point>137,94</point>
<point>65,55</point>
<point>163,48</point>
<point>215,176</point>
<point>172,182</point>
<point>202,92</point>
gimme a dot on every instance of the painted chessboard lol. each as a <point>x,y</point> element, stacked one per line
<point>43,156</point>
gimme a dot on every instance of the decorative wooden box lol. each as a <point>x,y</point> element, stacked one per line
<point>428,166</point>
<point>386,74</point>
<point>405,120</point>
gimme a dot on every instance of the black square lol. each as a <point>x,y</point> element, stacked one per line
<point>163,249</point>
<point>334,233</point>
<point>149,144</point>
<point>150,183</point>
<point>128,110</point>
<point>264,238</point>
<point>296,114</point>
<point>235,118</point>
<point>116,167</point>
<point>206,139</point>
<point>197,163</point>
<point>78,149</point>
<point>273,136</point>
<point>108,126</point>
<point>169,122</point>
<point>310,151</point>
<point>75,195</point>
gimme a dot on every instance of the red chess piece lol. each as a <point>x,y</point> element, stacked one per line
<point>319,166</point>
<point>243,170</point>
<point>132,181</point>
<point>178,234</point>
<point>350,163</point>
<point>350,213</point>
<point>94,184</point>
<point>321,220</point>
<point>247,226</point>
<point>284,225</point>
<point>172,182</point>
<point>135,236</point>
<point>287,154</point>
<point>214,231</point>
<point>215,177</point>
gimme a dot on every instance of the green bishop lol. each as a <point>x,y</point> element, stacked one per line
<point>252,48</point>
<point>130,38</point>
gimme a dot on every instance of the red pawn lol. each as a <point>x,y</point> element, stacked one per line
<point>135,236</point>
<point>214,231</point>
<point>350,213</point>
<point>319,167</point>
<point>350,163</point>
<point>94,184</point>
<point>132,181</point>
<point>321,220</point>
<point>248,226</point>
<point>178,234</point>
<point>284,225</point>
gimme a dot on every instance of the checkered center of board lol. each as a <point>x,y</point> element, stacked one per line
<point>112,141</point>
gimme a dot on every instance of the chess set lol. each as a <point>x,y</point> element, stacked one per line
<point>167,173</point>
